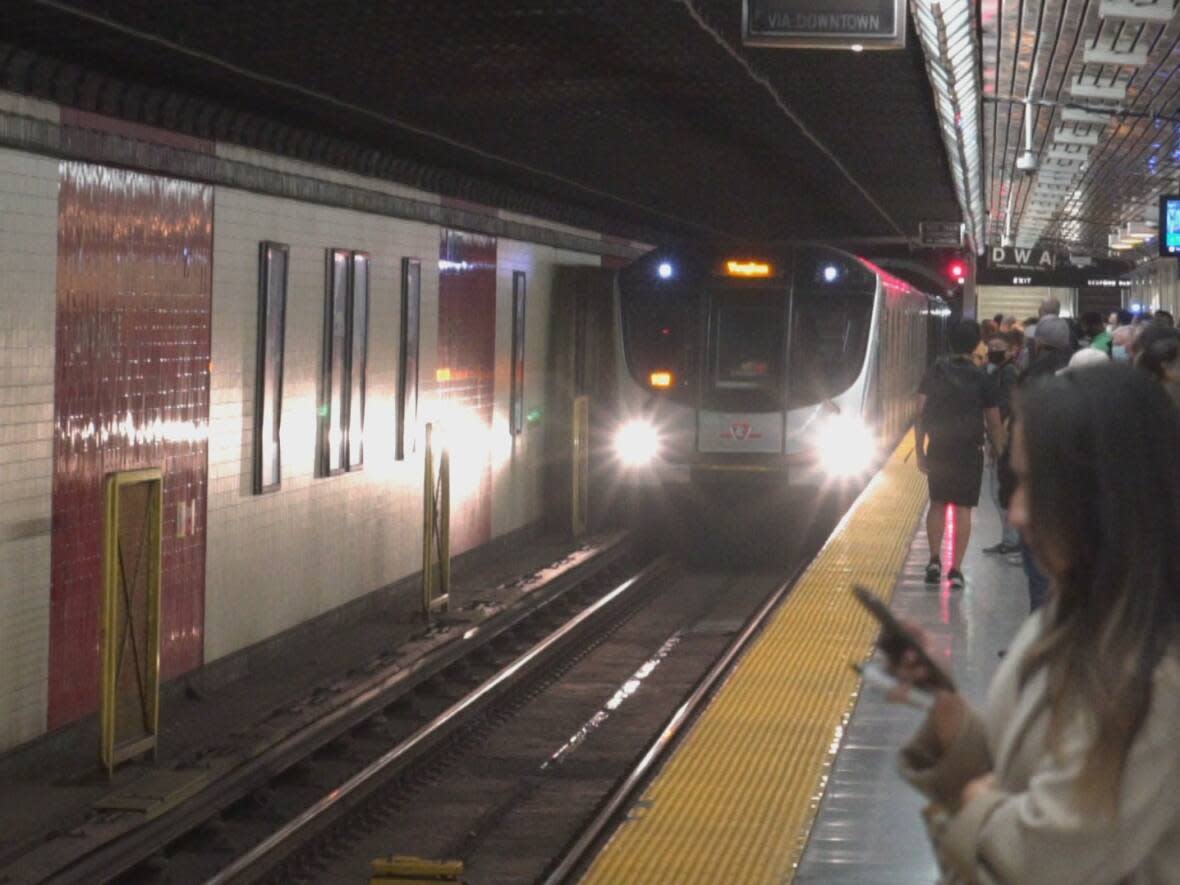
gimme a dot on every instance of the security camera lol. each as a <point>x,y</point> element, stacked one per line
<point>1027,163</point>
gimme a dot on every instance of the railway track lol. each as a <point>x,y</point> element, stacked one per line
<point>401,747</point>
<point>513,786</point>
<point>330,736</point>
<point>501,758</point>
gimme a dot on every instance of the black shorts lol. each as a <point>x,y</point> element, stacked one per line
<point>955,477</point>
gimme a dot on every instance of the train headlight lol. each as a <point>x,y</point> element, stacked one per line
<point>637,443</point>
<point>847,446</point>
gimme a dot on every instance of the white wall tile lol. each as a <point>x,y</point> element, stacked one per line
<point>28,266</point>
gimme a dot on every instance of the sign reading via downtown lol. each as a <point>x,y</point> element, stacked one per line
<point>824,24</point>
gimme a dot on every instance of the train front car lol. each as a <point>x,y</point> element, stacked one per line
<point>746,375</point>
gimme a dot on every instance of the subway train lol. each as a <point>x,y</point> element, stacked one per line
<point>763,370</point>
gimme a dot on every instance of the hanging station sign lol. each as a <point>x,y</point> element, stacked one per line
<point>941,233</point>
<point>1020,266</point>
<point>1018,258</point>
<point>824,24</point>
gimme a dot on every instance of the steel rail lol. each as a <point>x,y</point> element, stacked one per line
<point>684,716</point>
<point>339,798</point>
<point>122,848</point>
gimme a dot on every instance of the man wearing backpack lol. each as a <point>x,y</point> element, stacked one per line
<point>956,402</point>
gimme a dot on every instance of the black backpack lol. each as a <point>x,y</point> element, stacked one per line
<point>954,408</point>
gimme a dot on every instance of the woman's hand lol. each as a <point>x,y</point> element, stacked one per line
<point>907,666</point>
<point>945,719</point>
<point>977,786</point>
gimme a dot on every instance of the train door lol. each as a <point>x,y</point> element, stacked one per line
<point>745,372</point>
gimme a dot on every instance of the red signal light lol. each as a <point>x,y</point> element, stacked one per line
<point>957,271</point>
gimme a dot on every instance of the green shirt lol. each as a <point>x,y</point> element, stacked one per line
<point>1102,341</point>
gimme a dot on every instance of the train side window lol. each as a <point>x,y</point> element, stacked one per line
<point>407,384</point>
<point>346,321</point>
<point>268,390</point>
<point>358,333</point>
<point>516,400</point>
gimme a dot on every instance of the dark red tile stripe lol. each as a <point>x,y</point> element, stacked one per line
<point>134,288</point>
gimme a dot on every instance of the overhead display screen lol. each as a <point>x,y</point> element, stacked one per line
<point>1170,225</point>
<point>824,24</point>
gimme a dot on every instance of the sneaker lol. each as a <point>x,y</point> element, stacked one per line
<point>1001,548</point>
<point>956,579</point>
<point>933,572</point>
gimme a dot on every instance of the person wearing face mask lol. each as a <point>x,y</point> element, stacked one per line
<point>1121,341</point>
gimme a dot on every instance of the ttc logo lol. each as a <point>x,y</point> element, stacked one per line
<point>740,431</point>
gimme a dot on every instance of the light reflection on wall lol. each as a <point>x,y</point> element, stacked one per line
<point>464,396</point>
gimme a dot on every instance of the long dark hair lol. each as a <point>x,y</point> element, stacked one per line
<point>1159,349</point>
<point>1103,486</point>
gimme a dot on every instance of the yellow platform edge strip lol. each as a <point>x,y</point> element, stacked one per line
<point>737,800</point>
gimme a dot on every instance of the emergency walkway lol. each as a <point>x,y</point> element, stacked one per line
<point>789,775</point>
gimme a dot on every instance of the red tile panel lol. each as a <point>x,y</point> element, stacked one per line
<point>134,286</point>
<point>466,377</point>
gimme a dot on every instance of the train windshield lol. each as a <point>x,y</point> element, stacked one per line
<point>829,336</point>
<point>746,351</point>
<point>748,341</point>
<point>830,319</point>
<point>661,334</point>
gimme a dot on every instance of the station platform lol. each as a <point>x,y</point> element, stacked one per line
<point>790,774</point>
<point>230,712</point>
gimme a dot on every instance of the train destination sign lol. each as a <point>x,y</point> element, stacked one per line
<point>824,24</point>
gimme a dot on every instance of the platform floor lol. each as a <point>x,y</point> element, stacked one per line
<point>868,830</point>
<point>790,774</point>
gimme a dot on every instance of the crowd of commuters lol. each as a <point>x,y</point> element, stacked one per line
<point>1069,772</point>
<point>971,391</point>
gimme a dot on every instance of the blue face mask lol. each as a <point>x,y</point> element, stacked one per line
<point>1119,353</point>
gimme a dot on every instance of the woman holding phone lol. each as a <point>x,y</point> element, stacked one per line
<point>1071,772</point>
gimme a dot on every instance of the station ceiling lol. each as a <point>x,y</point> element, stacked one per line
<point>648,115</point>
<point>1079,55</point>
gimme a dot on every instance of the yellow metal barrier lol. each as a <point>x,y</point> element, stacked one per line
<point>580,492</point>
<point>407,870</point>
<point>436,528</point>
<point>133,533</point>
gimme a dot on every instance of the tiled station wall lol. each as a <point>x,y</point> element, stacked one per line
<point>277,559</point>
<point>274,560</point>
<point>28,267</point>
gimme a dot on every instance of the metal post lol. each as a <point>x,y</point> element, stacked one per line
<point>444,532</point>
<point>580,463</point>
<point>428,521</point>
<point>436,529</point>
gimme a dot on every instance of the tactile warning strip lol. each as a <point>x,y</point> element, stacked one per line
<point>736,801</point>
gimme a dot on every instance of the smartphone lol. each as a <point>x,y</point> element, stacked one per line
<point>895,639</point>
